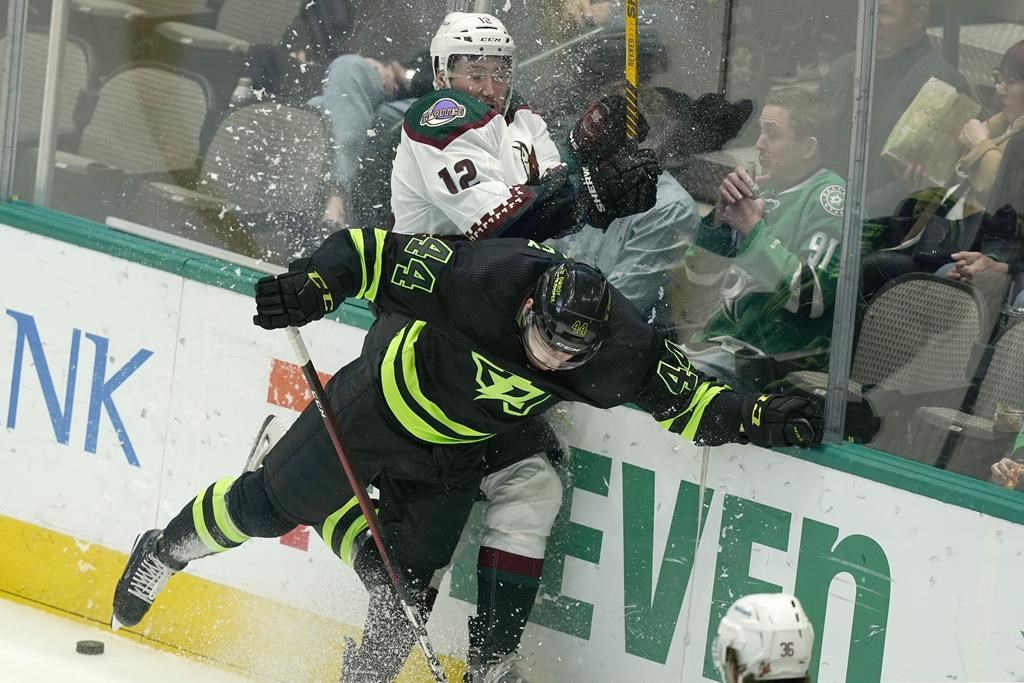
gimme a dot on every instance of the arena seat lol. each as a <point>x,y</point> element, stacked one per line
<point>218,52</point>
<point>968,441</point>
<point>919,343</point>
<point>145,124</point>
<point>262,186</point>
<point>76,75</point>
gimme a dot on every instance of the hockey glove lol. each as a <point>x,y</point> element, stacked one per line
<point>622,185</point>
<point>294,298</point>
<point>773,420</point>
<point>601,132</point>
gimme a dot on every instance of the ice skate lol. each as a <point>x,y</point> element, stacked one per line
<point>144,577</point>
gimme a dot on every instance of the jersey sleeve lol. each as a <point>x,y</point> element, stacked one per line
<point>405,274</point>
<point>804,280</point>
<point>686,402</point>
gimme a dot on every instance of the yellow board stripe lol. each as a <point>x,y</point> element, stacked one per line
<point>193,617</point>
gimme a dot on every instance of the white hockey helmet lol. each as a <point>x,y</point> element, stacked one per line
<point>770,636</point>
<point>474,34</point>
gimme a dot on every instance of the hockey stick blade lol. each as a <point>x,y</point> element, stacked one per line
<point>269,434</point>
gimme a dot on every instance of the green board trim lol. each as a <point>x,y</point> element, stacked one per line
<point>198,267</point>
<point>914,477</point>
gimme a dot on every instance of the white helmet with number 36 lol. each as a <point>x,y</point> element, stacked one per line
<point>764,637</point>
<point>470,34</point>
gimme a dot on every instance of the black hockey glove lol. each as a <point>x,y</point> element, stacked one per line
<point>782,420</point>
<point>622,185</point>
<point>294,298</point>
<point>601,132</point>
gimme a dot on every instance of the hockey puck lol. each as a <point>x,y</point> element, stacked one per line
<point>89,647</point>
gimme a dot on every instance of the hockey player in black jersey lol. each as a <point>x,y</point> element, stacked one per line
<point>502,330</point>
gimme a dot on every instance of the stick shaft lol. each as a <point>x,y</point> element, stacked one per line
<point>632,78</point>
<point>365,505</point>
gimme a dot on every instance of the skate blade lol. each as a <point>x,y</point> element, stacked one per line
<point>114,623</point>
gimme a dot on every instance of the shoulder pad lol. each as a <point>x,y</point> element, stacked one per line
<point>515,103</point>
<point>440,116</point>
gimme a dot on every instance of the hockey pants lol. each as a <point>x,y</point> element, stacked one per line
<point>426,496</point>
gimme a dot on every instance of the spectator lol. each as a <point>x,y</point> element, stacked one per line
<point>293,69</point>
<point>904,62</point>
<point>985,141</point>
<point>637,253</point>
<point>781,235</point>
<point>1001,239</point>
<point>353,91</point>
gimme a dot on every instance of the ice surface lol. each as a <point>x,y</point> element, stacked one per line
<point>38,647</point>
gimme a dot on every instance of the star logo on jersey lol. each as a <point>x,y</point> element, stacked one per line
<point>833,199</point>
<point>445,110</point>
<point>518,395</point>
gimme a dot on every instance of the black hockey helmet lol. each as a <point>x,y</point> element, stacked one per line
<point>571,306</point>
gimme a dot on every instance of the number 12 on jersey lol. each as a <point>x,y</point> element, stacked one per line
<point>467,176</point>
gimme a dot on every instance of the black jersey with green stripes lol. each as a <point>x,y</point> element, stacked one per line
<point>458,372</point>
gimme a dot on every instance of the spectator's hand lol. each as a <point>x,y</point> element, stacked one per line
<point>621,185</point>
<point>973,133</point>
<point>601,131</point>
<point>968,264</point>
<point>1003,471</point>
<point>735,186</point>
<point>914,178</point>
<point>782,420</point>
<point>294,298</point>
<point>744,214</point>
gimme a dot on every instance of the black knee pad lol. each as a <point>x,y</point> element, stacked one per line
<point>252,509</point>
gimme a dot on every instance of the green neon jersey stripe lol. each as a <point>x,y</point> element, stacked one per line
<point>378,263</point>
<point>405,415</point>
<point>704,395</point>
<point>357,241</point>
<point>412,383</point>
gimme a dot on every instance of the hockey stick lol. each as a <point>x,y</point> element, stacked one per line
<point>704,458</point>
<point>631,68</point>
<point>359,490</point>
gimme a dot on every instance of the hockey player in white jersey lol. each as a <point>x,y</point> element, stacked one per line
<point>476,162</point>
<point>764,637</point>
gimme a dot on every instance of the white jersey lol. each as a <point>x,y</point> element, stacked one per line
<point>459,165</point>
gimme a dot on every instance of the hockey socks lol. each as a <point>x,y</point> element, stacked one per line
<point>507,586</point>
<point>225,515</point>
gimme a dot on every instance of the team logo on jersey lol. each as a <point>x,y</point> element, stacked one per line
<point>833,199</point>
<point>528,158</point>
<point>517,395</point>
<point>445,110</point>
